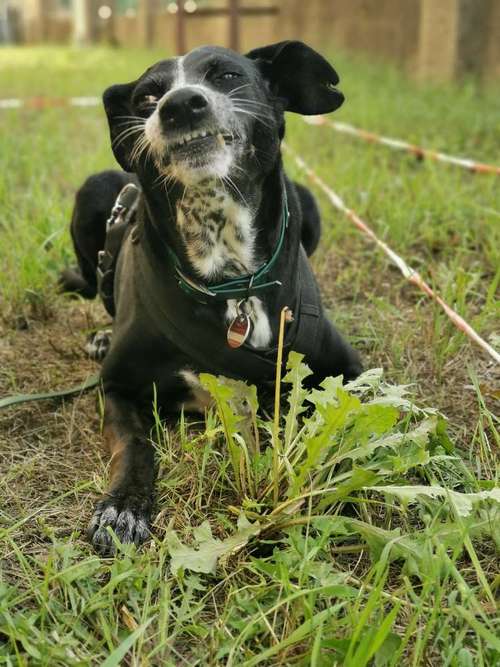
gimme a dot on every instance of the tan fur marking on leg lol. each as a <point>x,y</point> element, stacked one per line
<point>116,448</point>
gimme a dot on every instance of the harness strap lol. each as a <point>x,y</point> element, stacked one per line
<point>122,216</point>
<point>306,333</point>
<point>214,358</point>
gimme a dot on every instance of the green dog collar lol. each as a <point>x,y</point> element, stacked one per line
<point>236,288</point>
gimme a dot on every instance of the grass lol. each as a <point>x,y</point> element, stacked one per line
<point>330,571</point>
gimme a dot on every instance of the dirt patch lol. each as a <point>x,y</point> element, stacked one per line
<point>48,449</point>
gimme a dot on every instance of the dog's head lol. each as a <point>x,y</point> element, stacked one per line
<point>214,112</point>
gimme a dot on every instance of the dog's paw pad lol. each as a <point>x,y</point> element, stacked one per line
<point>98,344</point>
<point>129,519</point>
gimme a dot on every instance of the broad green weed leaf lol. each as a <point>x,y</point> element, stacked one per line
<point>202,559</point>
<point>328,392</point>
<point>244,403</point>
<point>394,441</point>
<point>401,546</point>
<point>335,417</point>
<point>331,525</point>
<point>297,373</point>
<point>440,437</point>
<point>203,532</point>
<point>462,503</point>
<point>372,420</point>
<point>358,479</point>
<point>410,456</point>
<point>223,393</point>
<point>367,381</point>
<point>207,550</point>
<point>395,395</point>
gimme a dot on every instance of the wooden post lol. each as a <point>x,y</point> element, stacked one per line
<point>146,14</point>
<point>452,38</point>
<point>108,34</point>
<point>181,29</point>
<point>234,33</point>
<point>84,22</point>
<point>37,15</point>
<point>233,10</point>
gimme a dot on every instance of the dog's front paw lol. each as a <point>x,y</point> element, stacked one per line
<point>98,344</point>
<point>128,516</point>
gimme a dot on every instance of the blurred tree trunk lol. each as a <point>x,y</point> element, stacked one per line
<point>146,13</point>
<point>37,16</point>
<point>85,21</point>
<point>110,25</point>
<point>453,38</point>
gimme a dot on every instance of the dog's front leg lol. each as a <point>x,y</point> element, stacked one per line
<point>126,506</point>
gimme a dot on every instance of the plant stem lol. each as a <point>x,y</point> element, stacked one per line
<point>277,397</point>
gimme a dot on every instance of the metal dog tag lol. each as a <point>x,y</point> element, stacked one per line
<point>239,328</point>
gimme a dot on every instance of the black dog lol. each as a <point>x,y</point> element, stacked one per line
<point>215,253</point>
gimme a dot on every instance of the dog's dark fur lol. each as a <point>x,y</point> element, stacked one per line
<point>216,200</point>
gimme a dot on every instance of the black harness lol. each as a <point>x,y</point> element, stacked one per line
<point>123,216</point>
<point>186,317</point>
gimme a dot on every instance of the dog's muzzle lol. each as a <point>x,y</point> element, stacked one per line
<point>184,107</point>
<point>187,118</point>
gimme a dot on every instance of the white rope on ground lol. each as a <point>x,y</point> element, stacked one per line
<point>398,144</point>
<point>345,128</point>
<point>410,274</point>
<point>49,102</point>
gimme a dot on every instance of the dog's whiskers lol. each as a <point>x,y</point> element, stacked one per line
<point>244,106</point>
<point>125,134</point>
<point>235,90</point>
<point>238,168</point>
<point>165,178</point>
<point>254,102</point>
<point>141,145</point>
<point>232,184</point>
<point>128,122</point>
<point>258,117</point>
<point>132,118</point>
<point>183,195</point>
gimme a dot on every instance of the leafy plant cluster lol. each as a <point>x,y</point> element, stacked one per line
<point>350,461</point>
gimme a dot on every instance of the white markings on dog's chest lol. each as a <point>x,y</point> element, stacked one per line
<point>219,238</point>
<point>217,233</point>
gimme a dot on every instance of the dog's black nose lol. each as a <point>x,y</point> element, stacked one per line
<point>183,105</point>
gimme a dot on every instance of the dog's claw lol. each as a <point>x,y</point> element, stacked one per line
<point>129,519</point>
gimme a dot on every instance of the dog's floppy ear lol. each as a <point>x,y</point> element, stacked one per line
<point>118,107</point>
<point>299,75</point>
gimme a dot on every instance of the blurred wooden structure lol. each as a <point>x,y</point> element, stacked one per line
<point>234,12</point>
<point>431,39</point>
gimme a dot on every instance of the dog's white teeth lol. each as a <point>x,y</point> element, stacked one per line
<point>201,135</point>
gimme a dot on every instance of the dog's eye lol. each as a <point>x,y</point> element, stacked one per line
<point>227,76</point>
<point>146,101</point>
